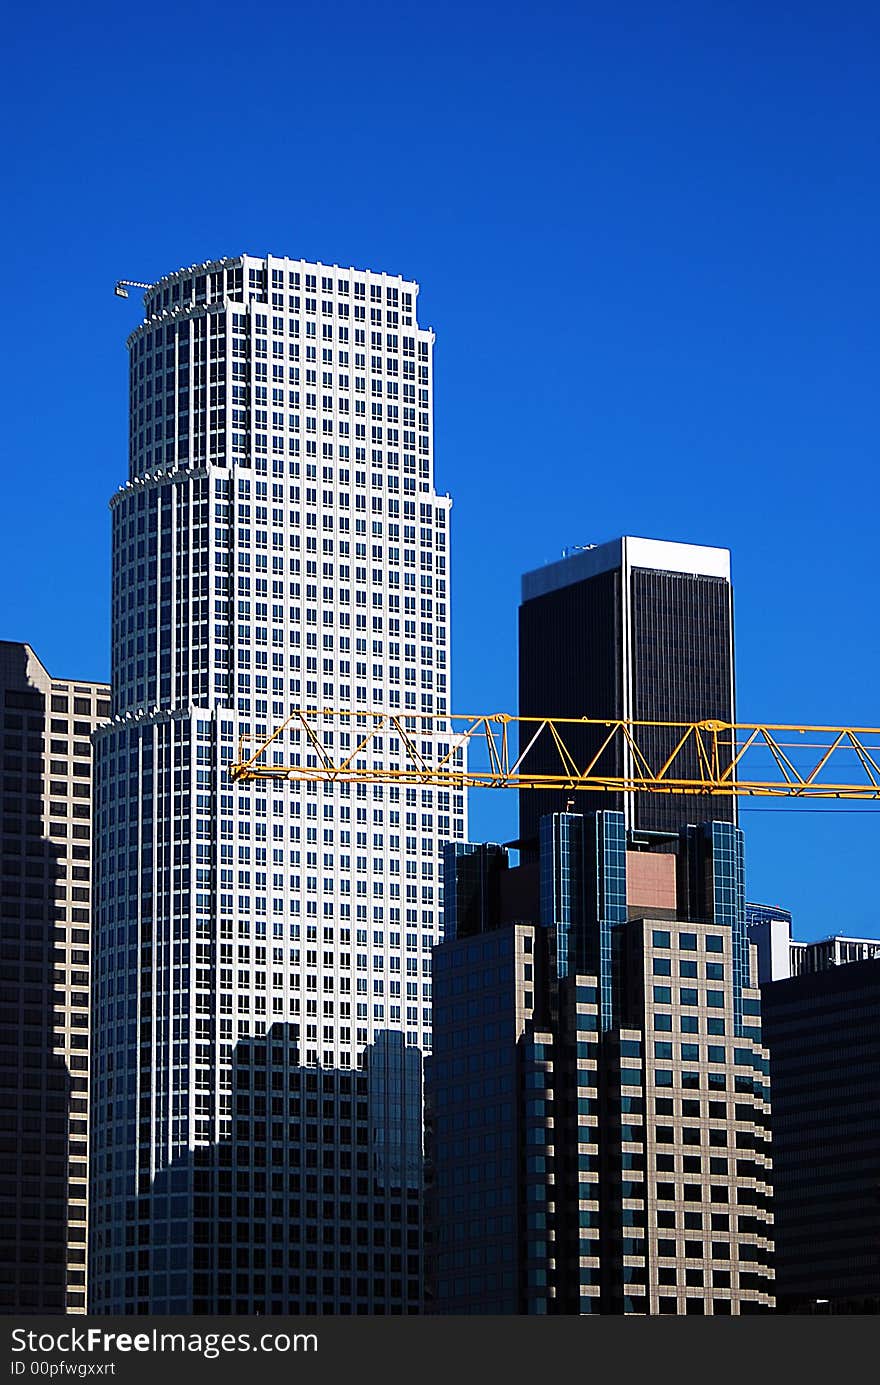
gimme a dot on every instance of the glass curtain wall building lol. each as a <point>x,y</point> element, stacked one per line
<point>262,990</point>
<point>822,1028</point>
<point>821,1006</point>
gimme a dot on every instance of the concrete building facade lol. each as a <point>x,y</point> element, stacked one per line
<point>45,949</point>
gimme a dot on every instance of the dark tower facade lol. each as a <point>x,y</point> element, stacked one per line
<point>635,628</point>
<point>822,1032</point>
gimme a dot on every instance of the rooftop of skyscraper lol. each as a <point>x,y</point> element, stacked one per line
<point>627,551</point>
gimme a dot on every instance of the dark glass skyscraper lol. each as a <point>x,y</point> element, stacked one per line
<point>822,1030</point>
<point>635,628</point>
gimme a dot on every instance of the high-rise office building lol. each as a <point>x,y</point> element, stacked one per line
<point>45,902</point>
<point>638,629</point>
<point>598,1096</point>
<point>822,1030</point>
<point>821,1006</point>
<point>264,952</point>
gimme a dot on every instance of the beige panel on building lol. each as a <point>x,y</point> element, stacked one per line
<point>45,926</point>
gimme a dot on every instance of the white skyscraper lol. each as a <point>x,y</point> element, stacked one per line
<point>262,953</point>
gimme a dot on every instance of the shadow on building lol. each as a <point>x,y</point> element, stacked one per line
<point>312,1205</point>
<point>35,1083</point>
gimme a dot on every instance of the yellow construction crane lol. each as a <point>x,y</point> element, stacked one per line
<point>453,751</point>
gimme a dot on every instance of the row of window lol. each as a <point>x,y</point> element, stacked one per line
<point>713,971</point>
<point>687,942</point>
<point>689,995</point>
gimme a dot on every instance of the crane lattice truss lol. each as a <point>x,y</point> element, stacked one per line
<point>567,754</point>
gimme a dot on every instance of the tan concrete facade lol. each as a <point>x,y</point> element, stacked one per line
<point>45,912</point>
<point>695,1166</point>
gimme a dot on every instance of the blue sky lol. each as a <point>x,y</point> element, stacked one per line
<point>646,237</point>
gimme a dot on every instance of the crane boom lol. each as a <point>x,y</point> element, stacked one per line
<point>456,751</point>
<point>123,285</point>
